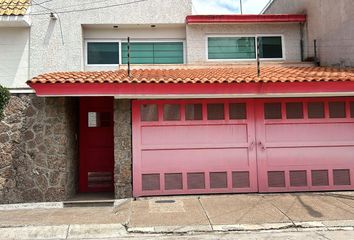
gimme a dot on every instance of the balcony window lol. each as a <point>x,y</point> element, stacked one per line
<point>244,48</point>
<point>103,53</point>
<point>153,53</point>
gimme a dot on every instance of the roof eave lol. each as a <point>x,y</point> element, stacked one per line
<point>246,18</point>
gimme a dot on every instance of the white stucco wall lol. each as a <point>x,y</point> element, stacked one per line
<point>329,22</point>
<point>52,51</point>
<point>14,53</point>
<point>197,37</point>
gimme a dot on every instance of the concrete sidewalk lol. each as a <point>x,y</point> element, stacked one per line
<point>242,212</point>
<point>186,215</point>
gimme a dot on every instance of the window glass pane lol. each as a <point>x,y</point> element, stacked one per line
<point>102,53</point>
<point>272,111</point>
<point>238,111</point>
<point>270,47</point>
<point>316,110</point>
<point>99,119</point>
<point>153,53</point>
<point>231,48</point>
<point>352,109</point>
<point>294,111</point>
<point>171,112</point>
<point>194,112</point>
<point>337,110</point>
<point>216,111</point>
<point>149,112</point>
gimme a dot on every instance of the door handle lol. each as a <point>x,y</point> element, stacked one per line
<point>251,146</point>
<point>263,147</point>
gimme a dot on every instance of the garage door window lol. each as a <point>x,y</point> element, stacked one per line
<point>294,111</point>
<point>272,111</point>
<point>148,112</point>
<point>216,111</point>
<point>337,110</point>
<point>171,112</point>
<point>238,111</point>
<point>316,110</point>
<point>194,112</point>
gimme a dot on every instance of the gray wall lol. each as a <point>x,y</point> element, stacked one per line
<point>330,22</point>
<point>197,34</point>
<point>122,149</point>
<point>52,51</point>
<point>38,149</point>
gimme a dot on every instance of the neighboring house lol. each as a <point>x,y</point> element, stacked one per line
<point>189,116</point>
<point>329,22</point>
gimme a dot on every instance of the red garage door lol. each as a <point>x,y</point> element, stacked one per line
<point>225,146</point>
<point>305,145</point>
<point>183,147</point>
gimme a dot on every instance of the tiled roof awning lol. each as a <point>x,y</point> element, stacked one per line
<point>14,7</point>
<point>212,80</point>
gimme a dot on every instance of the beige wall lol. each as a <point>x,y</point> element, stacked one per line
<point>14,50</point>
<point>330,22</point>
<point>197,37</point>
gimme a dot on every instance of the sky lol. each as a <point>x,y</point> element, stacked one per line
<point>228,6</point>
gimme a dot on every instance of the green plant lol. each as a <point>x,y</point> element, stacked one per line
<point>4,99</point>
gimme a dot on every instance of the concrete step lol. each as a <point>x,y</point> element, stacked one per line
<point>89,203</point>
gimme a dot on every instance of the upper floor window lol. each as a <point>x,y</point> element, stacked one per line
<point>231,48</point>
<point>103,53</point>
<point>153,53</point>
<point>270,47</point>
<point>244,48</point>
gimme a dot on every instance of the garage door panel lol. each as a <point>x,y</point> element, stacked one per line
<point>195,135</point>
<point>195,160</point>
<point>307,151</point>
<point>307,132</point>
<point>211,153</point>
<point>305,156</point>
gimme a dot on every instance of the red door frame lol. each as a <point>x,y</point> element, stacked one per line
<point>94,104</point>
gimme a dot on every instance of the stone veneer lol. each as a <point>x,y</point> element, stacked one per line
<point>122,148</point>
<point>38,149</point>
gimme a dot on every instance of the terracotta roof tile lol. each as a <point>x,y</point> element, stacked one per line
<point>203,75</point>
<point>14,7</point>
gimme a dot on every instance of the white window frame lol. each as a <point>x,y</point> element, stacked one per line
<point>87,41</point>
<point>239,36</point>
<point>120,41</point>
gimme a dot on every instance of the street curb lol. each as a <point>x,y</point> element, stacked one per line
<point>74,231</point>
<point>77,231</point>
<point>346,225</point>
<point>23,206</point>
<point>49,205</point>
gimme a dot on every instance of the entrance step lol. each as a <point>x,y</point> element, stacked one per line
<point>91,200</point>
<point>89,203</point>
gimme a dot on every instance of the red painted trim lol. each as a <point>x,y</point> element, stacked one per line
<point>108,89</point>
<point>247,18</point>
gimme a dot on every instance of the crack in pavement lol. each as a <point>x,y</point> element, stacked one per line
<point>292,222</point>
<point>206,214</point>
<point>67,232</point>
<point>322,235</point>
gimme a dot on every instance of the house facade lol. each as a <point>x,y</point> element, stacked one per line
<point>328,22</point>
<point>142,98</point>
